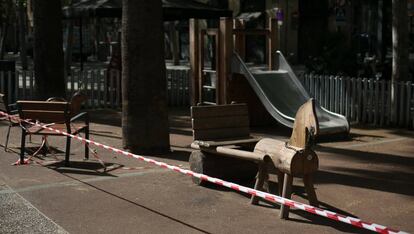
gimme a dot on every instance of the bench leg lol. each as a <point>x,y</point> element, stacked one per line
<point>7,137</point>
<point>287,192</point>
<point>22,146</point>
<point>262,180</point>
<point>87,144</point>
<point>310,190</point>
<point>67,151</point>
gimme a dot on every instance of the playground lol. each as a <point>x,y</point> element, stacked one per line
<point>368,176</point>
<point>253,138</point>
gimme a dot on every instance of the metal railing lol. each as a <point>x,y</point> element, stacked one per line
<point>362,100</point>
<point>102,88</point>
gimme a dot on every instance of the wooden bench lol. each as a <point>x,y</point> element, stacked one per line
<point>221,135</point>
<point>220,132</point>
<point>58,115</point>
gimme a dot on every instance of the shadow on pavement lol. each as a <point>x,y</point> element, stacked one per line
<point>138,205</point>
<point>84,168</point>
<point>391,180</point>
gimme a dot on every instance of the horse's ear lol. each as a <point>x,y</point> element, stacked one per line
<point>306,123</point>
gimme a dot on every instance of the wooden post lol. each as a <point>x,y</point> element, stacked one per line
<point>272,43</point>
<point>226,51</point>
<point>201,36</point>
<point>240,39</point>
<point>194,60</point>
<point>174,36</point>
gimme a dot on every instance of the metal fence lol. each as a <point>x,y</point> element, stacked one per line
<point>362,100</point>
<point>103,89</point>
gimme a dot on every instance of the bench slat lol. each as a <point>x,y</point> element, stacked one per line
<point>44,116</point>
<point>218,111</point>
<point>211,134</point>
<point>220,122</point>
<point>42,105</point>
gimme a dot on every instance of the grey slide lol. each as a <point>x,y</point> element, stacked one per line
<point>282,94</point>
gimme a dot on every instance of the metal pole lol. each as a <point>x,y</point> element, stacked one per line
<point>80,44</point>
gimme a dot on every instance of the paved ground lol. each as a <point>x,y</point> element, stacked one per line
<point>369,176</point>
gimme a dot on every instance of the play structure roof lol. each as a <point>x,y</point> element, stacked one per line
<point>173,9</point>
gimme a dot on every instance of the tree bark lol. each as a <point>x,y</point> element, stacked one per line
<point>69,44</point>
<point>22,33</point>
<point>399,40</point>
<point>4,26</point>
<point>3,37</point>
<point>144,105</point>
<point>48,51</point>
<point>400,47</point>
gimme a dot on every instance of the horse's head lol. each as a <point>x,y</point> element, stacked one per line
<point>306,125</point>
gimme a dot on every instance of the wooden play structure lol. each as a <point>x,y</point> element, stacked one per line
<point>228,37</point>
<point>223,142</point>
<point>271,92</point>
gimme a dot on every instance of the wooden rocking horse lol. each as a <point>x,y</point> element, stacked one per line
<point>292,158</point>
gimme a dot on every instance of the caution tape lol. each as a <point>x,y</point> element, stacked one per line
<point>267,196</point>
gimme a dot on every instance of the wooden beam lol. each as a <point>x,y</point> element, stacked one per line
<point>251,31</point>
<point>194,60</point>
<point>175,43</point>
<point>226,51</point>
<point>272,42</point>
<point>239,38</point>
<point>201,37</point>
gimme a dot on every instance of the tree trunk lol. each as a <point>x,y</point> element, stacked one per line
<point>22,34</point>
<point>144,106</point>
<point>48,52</point>
<point>69,46</point>
<point>400,47</point>
<point>399,40</point>
<point>3,37</point>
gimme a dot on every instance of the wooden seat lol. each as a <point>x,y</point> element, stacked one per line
<point>11,110</point>
<point>59,115</point>
<point>74,129</point>
<point>223,142</point>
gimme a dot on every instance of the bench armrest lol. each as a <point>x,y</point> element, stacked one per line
<point>82,115</point>
<point>12,108</point>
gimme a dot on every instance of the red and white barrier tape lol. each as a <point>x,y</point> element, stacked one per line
<point>267,196</point>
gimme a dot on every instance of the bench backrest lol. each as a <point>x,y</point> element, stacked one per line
<point>220,122</point>
<point>45,112</point>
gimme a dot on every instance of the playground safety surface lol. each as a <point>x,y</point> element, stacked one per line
<point>369,176</point>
